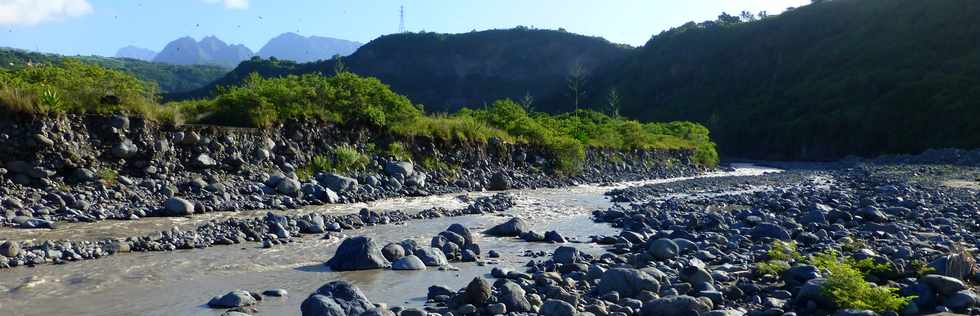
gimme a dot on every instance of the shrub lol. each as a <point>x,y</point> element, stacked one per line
<point>349,159</point>
<point>398,151</point>
<point>780,255</point>
<point>108,176</point>
<point>847,287</point>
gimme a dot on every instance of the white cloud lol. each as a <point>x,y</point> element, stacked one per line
<point>31,12</point>
<point>232,4</point>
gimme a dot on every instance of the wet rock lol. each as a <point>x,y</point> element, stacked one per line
<point>337,182</point>
<point>393,251</point>
<point>512,228</point>
<point>462,231</point>
<point>567,255</point>
<point>943,285</point>
<point>9,249</point>
<point>499,182</point>
<point>477,292</point>
<point>432,257</point>
<point>236,298</point>
<point>676,305</point>
<point>513,296</point>
<point>290,187</point>
<point>410,262</point>
<point>553,307</point>
<point>337,296</point>
<point>358,253</point>
<point>402,169</point>
<point>769,230</point>
<point>176,206</point>
<point>275,293</point>
<point>663,249</point>
<point>627,282</point>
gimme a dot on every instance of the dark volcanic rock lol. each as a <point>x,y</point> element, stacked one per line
<point>358,253</point>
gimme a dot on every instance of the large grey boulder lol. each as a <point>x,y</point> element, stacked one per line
<point>499,182</point>
<point>432,257</point>
<point>176,206</point>
<point>358,253</point>
<point>514,297</point>
<point>567,255</point>
<point>512,228</point>
<point>9,248</point>
<point>553,307</point>
<point>393,251</point>
<point>663,249</point>
<point>477,292</point>
<point>320,305</point>
<point>337,298</point>
<point>337,182</point>
<point>288,186</point>
<point>410,263</point>
<point>236,298</point>
<point>943,285</point>
<point>401,169</point>
<point>769,230</point>
<point>676,305</point>
<point>627,282</point>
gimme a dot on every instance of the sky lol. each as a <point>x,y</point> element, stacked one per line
<point>100,27</point>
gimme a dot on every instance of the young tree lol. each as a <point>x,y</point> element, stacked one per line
<point>339,67</point>
<point>613,103</point>
<point>528,102</point>
<point>747,16</point>
<point>576,83</point>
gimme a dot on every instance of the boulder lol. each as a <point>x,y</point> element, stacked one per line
<point>513,296</point>
<point>769,230</point>
<point>393,251</point>
<point>337,182</point>
<point>9,249</point>
<point>349,300</point>
<point>676,305</point>
<point>176,206</point>
<point>943,285</point>
<point>462,231</point>
<point>567,255</point>
<point>432,257</point>
<point>402,169</point>
<point>499,182</point>
<point>553,307</point>
<point>477,292</point>
<point>236,298</point>
<point>512,228</point>
<point>663,249</point>
<point>288,186</point>
<point>410,262</point>
<point>357,253</point>
<point>627,282</point>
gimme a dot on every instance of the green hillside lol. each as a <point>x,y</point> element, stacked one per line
<point>169,78</point>
<point>446,72</point>
<point>823,81</point>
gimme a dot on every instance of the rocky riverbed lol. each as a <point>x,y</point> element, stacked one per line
<point>726,245</point>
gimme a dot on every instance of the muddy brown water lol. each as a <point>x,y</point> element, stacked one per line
<point>181,282</point>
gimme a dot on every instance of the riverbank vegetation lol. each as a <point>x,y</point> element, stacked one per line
<point>344,99</point>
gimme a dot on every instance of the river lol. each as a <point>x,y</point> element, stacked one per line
<point>181,282</point>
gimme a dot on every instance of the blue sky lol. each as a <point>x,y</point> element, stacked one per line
<point>102,26</point>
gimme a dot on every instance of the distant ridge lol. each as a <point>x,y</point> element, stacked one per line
<point>134,52</point>
<point>209,51</point>
<point>295,47</point>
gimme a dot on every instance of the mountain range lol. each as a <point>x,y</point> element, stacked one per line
<point>292,46</point>
<point>213,51</point>
<point>137,53</point>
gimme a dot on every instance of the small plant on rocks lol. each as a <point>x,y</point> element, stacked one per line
<point>847,287</point>
<point>780,255</point>
<point>108,176</point>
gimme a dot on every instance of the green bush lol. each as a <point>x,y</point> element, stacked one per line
<point>349,159</point>
<point>847,287</point>
<point>780,255</point>
<point>77,87</point>
<point>398,151</point>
